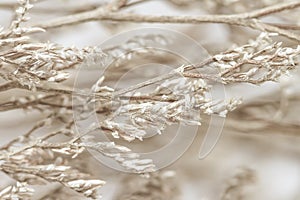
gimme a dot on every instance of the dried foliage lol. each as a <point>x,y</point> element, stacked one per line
<point>236,185</point>
<point>159,186</point>
<point>40,70</point>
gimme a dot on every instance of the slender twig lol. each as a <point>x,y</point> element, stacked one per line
<point>26,135</point>
<point>17,105</point>
<point>247,19</point>
<point>163,77</point>
<point>286,26</point>
<point>272,9</point>
<point>8,86</point>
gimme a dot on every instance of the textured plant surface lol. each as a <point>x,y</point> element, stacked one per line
<point>38,74</point>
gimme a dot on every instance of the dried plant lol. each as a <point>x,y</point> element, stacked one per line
<point>234,189</point>
<point>40,72</point>
<point>158,186</point>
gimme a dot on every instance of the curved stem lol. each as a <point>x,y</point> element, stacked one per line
<point>246,19</point>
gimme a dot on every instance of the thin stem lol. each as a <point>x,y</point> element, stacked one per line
<point>285,26</point>
<point>8,86</point>
<point>162,78</point>
<point>272,9</point>
<point>247,19</point>
<point>26,135</point>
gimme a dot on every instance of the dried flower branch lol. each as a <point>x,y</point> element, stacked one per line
<point>17,191</point>
<point>39,70</point>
